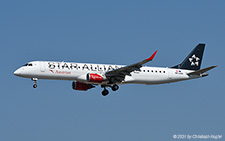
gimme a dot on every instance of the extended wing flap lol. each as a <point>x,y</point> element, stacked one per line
<point>198,72</point>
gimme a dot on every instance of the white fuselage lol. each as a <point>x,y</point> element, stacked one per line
<point>79,71</point>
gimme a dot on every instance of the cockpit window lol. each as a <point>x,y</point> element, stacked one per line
<point>28,64</point>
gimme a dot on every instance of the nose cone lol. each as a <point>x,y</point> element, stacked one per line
<point>17,72</point>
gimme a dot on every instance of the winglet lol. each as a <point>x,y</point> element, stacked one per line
<point>153,55</point>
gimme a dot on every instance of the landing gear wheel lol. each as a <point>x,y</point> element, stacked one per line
<point>105,92</point>
<point>35,86</point>
<point>35,82</point>
<point>115,87</point>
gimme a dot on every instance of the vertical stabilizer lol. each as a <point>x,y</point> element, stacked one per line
<point>193,60</point>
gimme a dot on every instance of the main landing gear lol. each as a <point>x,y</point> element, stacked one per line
<point>35,82</point>
<point>115,87</point>
<point>105,92</point>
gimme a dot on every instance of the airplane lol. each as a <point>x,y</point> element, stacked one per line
<point>86,76</point>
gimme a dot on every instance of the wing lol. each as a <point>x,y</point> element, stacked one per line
<point>119,74</point>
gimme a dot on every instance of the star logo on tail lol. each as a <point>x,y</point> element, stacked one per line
<point>194,60</point>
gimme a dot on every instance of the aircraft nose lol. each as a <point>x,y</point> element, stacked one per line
<point>17,72</point>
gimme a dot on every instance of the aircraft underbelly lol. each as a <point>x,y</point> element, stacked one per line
<point>155,79</point>
<point>147,79</point>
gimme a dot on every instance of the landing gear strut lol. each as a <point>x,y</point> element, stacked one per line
<point>35,82</point>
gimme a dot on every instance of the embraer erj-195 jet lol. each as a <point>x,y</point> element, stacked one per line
<point>86,76</point>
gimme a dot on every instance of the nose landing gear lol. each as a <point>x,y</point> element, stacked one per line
<point>35,86</point>
<point>35,82</point>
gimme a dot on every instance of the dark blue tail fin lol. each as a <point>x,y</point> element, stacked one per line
<point>193,60</point>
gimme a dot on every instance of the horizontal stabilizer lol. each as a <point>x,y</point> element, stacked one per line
<point>198,72</point>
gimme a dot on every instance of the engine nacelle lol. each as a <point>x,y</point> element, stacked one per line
<point>93,77</point>
<point>81,86</point>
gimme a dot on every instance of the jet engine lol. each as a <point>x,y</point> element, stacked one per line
<point>81,86</point>
<point>94,77</point>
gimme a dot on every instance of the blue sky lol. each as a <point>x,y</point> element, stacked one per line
<point>115,32</point>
